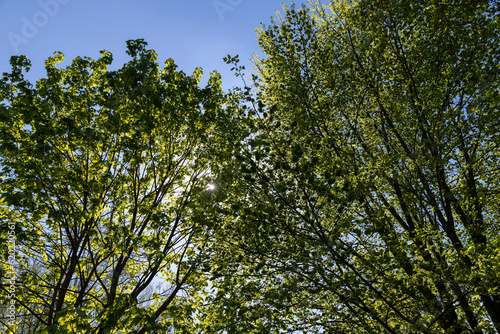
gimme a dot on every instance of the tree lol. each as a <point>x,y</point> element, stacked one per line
<point>364,194</point>
<point>101,170</point>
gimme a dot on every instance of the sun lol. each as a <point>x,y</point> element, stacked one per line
<point>211,187</point>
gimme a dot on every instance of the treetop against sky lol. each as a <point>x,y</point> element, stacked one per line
<point>194,33</point>
<point>349,185</point>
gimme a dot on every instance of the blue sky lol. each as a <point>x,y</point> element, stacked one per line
<point>194,33</point>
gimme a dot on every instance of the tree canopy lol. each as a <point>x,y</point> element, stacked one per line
<point>366,194</point>
<point>351,185</point>
<point>99,171</point>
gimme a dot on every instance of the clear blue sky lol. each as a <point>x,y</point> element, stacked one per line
<point>194,33</point>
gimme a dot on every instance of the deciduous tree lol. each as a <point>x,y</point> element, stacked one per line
<point>100,170</point>
<point>364,198</point>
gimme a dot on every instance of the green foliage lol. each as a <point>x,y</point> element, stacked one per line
<point>364,193</point>
<point>355,181</point>
<point>101,171</point>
